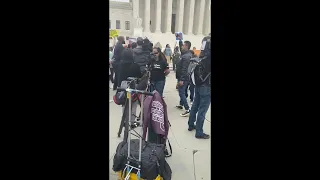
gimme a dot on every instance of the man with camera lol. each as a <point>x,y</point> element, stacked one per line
<point>201,77</point>
<point>142,54</point>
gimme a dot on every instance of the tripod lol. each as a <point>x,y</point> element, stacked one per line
<point>124,120</point>
<point>127,113</point>
<point>125,117</point>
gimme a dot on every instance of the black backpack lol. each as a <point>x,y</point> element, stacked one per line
<point>121,96</point>
<point>192,65</point>
<point>196,72</point>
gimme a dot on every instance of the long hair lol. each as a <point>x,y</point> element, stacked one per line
<point>161,55</point>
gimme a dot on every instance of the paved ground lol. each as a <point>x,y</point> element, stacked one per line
<point>191,157</point>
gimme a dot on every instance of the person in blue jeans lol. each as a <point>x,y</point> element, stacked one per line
<point>200,105</point>
<point>202,98</point>
<point>159,71</point>
<point>182,76</point>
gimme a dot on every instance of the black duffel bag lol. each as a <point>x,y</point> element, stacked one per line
<point>153,161</point>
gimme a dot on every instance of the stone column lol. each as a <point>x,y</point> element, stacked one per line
<point>201,15</point>
<point>205,18</point>
<point>135,7</point>
<point>137,28</point>
<point>191,15</point>
<point>147,16</point>
<point>209,23</point>
<point>179,16</point>
<point>158,16</point>
<point>169,16</point>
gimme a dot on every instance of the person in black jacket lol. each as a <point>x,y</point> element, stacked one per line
<point>118,49</point>
<point>127,68</point>
<point>202,97</point>
<point>142,54</point>
<point>182,76</point>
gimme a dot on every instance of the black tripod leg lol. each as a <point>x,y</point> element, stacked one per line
<point>122,121</point>
<point>126,131</point>
<point>120,128</point>
<point>126,122</point>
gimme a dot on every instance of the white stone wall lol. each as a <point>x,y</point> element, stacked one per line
<point>122,13</point>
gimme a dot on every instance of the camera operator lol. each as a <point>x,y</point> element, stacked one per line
<point>142,54</point>
<point>202,99</point>
<point>127,68</point>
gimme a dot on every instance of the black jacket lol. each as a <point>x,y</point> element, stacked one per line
<point>128,69</point>
<point>182,66</point>
<point>117,54</point>
<point>141,57</point>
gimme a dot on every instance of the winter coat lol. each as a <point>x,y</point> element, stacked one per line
<point>182,66</point>
<point>141,57</point>
<point>117,54</point>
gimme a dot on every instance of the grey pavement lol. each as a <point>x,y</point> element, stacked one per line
<point>190,159</point>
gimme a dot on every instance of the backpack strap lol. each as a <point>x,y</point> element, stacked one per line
<point>207,76</point>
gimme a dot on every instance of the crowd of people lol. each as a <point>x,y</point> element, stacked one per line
<point>139,58</point>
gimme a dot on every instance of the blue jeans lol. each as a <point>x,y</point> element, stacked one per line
<point>182,94</point>
<point>158,86</point>
<point>200,105</point>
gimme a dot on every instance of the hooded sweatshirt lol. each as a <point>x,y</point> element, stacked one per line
<point>155,115</point>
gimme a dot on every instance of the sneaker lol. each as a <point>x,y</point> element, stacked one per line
<point>192,128</point>
<point>191,102</point>
<point>204,136</point>
<point>179,107</point>
<point>185,114</point>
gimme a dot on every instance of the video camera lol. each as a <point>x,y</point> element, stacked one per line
<point>147,45</point>
<point>206,46</point>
